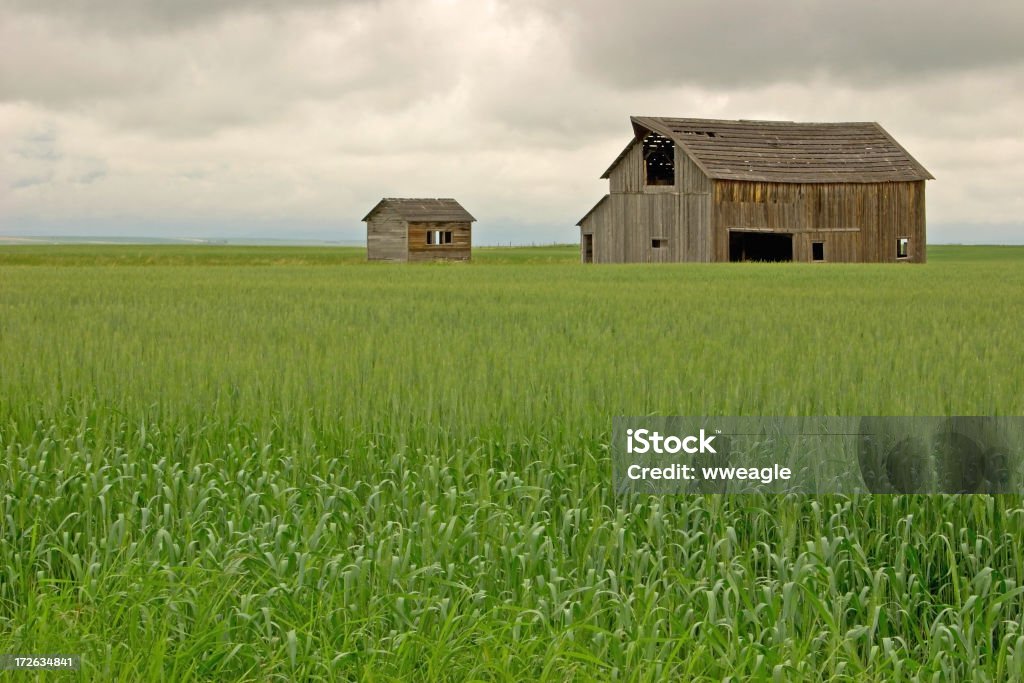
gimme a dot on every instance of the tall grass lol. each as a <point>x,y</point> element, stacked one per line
<point>288,472</point>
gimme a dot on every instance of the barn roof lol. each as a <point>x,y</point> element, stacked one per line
<point>430,210</point>
<point>786,151</point>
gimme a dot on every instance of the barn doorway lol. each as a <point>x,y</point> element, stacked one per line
<point>588,248</point>
<point>760,246</point>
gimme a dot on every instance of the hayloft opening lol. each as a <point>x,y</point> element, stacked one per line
<point>817,251</point>
<point>659,160</point>
<point>760,246</point>
<point>902,247</point>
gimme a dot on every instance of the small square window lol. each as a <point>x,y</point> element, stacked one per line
<point>902,247</point>
<point>659,243</point>
<point>817,251</point>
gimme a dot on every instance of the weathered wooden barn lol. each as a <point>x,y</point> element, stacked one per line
<point>418,230</point>
<point>708,190</point>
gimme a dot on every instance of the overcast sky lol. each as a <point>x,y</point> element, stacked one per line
<point>291,118</point>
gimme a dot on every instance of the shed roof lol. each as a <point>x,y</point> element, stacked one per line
<point>786,151</point>
<point>429,210</point>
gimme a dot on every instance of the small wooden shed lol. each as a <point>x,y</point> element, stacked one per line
<point>418,230</point>
<point>712,190</point>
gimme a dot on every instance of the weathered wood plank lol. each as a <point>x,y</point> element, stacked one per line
<point>460,247</point>
<point>386,236</point>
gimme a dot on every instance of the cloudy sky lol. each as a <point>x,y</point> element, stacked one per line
<point>289,119</point>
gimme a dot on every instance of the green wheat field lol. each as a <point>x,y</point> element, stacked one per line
<point>286,464</point>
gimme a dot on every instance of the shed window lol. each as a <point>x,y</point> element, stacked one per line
<point>817,251</point>
<point>659,243</point>
<point>439,237</point>
<point>659,160</point>
<point>902,247</point>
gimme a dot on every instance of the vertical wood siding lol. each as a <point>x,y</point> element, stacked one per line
<point>689,177</point>
<point>629,175</point>
<point>634,215</point>
<point>625,225</point>
<point>856,221</point>
<point>386,237</point>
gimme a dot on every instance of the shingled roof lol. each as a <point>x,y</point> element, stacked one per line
<point>786,151</point>
<point>430,210</point>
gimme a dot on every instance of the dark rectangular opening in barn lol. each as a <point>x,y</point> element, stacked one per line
<point>659,160</point>
<point>902,247</point>
<point>439,237</point>
<point>588,248</point>
<point>659,243</point>
<point>760,246</point>
<point>817,251</point>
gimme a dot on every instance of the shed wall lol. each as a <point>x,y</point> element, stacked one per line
<point>386,236</point>
<point>460,249</point>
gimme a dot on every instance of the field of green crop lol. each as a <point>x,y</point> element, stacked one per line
<point>287,464</point>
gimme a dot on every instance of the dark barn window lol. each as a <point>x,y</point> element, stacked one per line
<point>902,247</point>
<point>817,251</point>
<point>659,160</point>
<point>659,243</point>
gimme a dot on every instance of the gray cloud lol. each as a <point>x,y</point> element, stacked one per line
<point>30,181</point>
<point>40,145</point>
<point>727,44</point>
<point>125,17</point>
<point>248,68</point>
<point>218,116</point>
